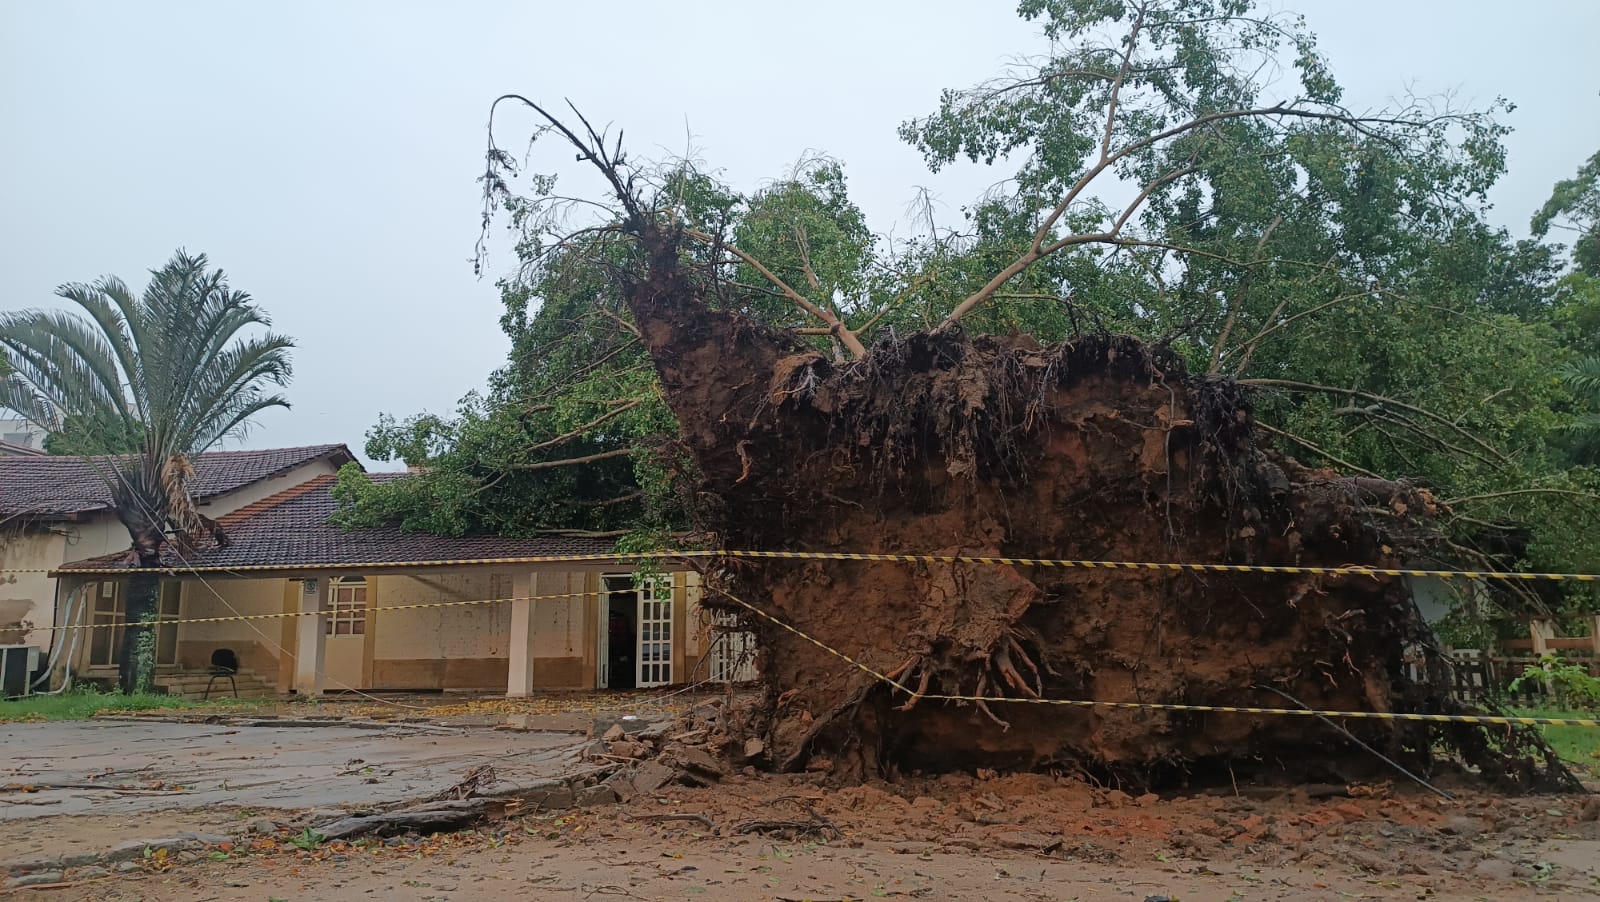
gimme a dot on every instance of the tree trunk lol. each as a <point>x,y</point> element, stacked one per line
<point>136,672</point>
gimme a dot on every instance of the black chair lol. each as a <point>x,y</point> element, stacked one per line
<point>224,663</point>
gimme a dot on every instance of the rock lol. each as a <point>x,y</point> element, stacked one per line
<point>596,749</point>
<point>212,839</point>
<point>616,732</point>
<point>127,851</point>
<point>1031,842</point>
<point>651,776</point>
<point>1116,798</point>
<point>127,867</point>
<point>320,815</point>
<point>696,759</point>
<point>594,796</point>
<point>93,872</point>
<point>38,878</point>
<point>556,798</point>
<point>30,865</point>
<point>622,785</point>
<point>1464,826</point>
<point>1590,810</point>
<point>1495,869</point>
<point>1350,811</point>
<point>1148,800</point>
<point>753,747</point>
<point>629,749</point>
<point>78,859</point>
<point>263,827</point>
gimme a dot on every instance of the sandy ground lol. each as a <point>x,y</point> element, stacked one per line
<point>1021,837</point>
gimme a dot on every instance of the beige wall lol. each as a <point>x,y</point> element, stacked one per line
<point>564,637</point>
<point>250,494</point>
<point>257,642</point>
<point>31,597</point>
<point>459,647</point>
<point>28,598</point>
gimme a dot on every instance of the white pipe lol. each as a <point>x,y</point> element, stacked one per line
<point>69,647</point>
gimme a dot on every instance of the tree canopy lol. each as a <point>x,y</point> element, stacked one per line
<point>1184,171</point>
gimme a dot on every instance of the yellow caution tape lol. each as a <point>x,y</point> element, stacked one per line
<point>639,557</point>
<point>1492,720</point>
<point>278,615</point>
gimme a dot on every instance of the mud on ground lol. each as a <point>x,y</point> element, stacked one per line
<point>1018,837</point>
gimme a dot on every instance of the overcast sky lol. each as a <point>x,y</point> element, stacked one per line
<point>324,153</point>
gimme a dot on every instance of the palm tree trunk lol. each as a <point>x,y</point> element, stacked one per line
<point>137,670</point>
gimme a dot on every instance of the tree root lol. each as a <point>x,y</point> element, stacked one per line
<point>817,826</point>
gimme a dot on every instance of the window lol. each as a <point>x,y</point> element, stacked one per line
<point>108,607</point>
<point>105,641</point>
<point>733,650</point>
<point>347,606</point>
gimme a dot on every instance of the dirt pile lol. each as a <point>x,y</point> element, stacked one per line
<point>1100,448</point>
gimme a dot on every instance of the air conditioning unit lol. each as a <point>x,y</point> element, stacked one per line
<point>17,664</point>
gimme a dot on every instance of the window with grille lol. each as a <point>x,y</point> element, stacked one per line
<point>107,607</point>
<point>347,606</point>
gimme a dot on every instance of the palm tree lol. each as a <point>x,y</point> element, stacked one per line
<point>1583,377</point>
<point>164,374</point>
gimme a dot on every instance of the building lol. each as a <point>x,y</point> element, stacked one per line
<point>19,436</point>
<point>308,607</point>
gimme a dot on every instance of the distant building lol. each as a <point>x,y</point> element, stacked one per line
<point>18,433</point>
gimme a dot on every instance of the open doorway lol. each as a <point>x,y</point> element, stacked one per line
<point>619,634</point>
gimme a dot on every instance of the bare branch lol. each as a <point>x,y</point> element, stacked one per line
<point>1390,402</point>
<point>1491,495</point>
<point>597,421</point>
<point>1132,41</point>
<point>835,326</point>
<point>1038,249</point>
<point>1314,447</point>
<point>571,461</point>
<point>1250,346</point>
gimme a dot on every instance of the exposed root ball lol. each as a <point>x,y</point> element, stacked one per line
<point>1101,448</point>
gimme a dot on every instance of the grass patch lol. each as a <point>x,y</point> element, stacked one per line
<point>1578,746</point>
<point>81,704</point>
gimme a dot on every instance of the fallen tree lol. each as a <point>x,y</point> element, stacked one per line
<point>1099,448</point>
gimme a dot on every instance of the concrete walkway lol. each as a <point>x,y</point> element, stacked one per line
<point>122,767</point>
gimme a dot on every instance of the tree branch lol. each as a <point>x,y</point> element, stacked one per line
<point>1038,250</point>
<point>1369,396</point>
<point>835,326</point>
<point>1250,346</point>
<point>1485,497</point>
<point>610,415</point>
<point>1121,79</point>
<point>1314,447</point>
<point>571,461</point>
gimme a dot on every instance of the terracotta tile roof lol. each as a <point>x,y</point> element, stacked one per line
<point>52,487</point>
<point>291,529</point>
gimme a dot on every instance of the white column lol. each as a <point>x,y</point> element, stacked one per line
<point>311,640</point>
<point>519,675</point>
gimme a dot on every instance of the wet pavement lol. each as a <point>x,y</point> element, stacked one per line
<point>128,766</point>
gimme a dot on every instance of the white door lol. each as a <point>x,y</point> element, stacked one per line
<point>655,633</point>
<point>345,654</point>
